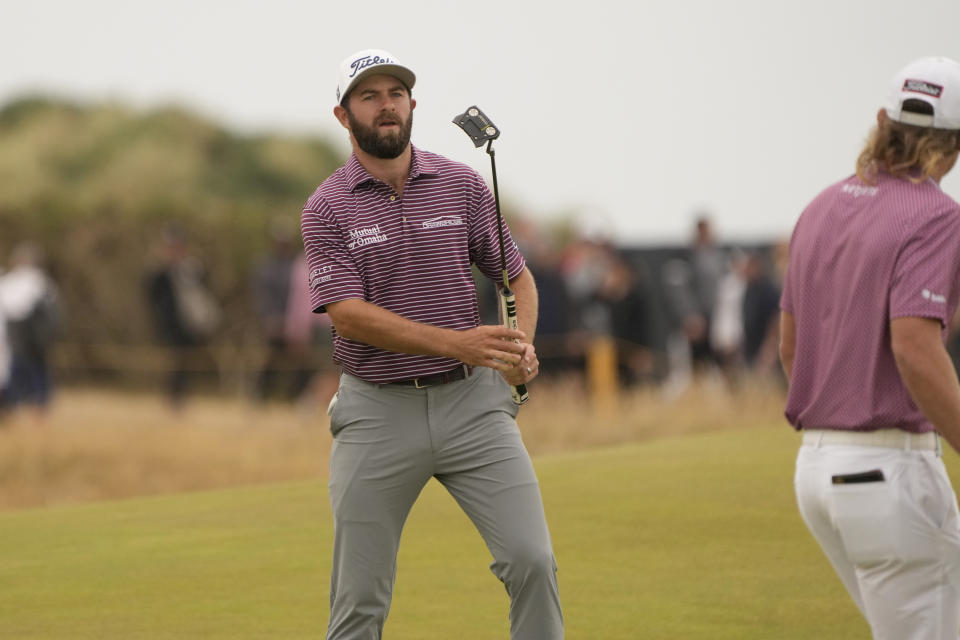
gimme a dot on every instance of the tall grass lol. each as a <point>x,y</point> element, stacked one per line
<point>101,444</point>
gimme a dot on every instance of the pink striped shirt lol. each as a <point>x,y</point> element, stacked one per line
<point>860,256</point>
<point>410,254</point>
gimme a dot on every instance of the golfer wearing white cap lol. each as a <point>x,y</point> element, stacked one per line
<point>872,285</point>
<point>425,392</point>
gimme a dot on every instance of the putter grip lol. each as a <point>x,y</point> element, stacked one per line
<point>508,304</point>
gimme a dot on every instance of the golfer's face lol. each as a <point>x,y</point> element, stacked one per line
<point>382,103</point>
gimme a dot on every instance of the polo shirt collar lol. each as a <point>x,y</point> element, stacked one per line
<point>420,165</point>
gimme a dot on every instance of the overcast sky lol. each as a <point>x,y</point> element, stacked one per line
<point>634,115</point>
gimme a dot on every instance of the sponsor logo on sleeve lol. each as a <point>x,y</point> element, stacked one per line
<point>933,297</point>
<point>320,275</point>
<point>442,221</point>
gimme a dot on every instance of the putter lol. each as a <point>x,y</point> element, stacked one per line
<point>478,126</point>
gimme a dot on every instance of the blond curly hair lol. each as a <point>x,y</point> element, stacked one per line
<point>905,151</point>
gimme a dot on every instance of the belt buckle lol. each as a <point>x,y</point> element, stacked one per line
<point>417,385</point>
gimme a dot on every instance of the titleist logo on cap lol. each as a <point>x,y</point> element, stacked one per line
<point>922,86</point>
<point>360,64</point>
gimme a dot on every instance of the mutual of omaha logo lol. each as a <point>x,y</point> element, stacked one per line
<point>321,275</point>
<point>442,221</point>
<point>365,236</point>
<point>922,86</point>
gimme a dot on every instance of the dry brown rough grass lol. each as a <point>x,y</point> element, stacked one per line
<point>101,444</point>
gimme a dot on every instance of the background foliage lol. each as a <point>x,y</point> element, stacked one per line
<point>94,185</point>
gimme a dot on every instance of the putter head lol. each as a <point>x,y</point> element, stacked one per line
<point>477,125</point>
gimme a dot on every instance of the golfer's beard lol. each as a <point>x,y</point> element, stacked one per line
<point>381,145</point>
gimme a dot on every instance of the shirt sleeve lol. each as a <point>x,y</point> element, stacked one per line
<point>786,296</point>
<point>925,278</point>
<point>332,273</point>
<point>484,237</point>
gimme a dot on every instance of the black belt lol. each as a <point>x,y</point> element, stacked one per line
<point>461,372</point>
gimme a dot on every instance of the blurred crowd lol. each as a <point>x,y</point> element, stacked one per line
<point>672,313</point>
<point>293,359</point>
<point>667,314</point>
<point>30,319</point>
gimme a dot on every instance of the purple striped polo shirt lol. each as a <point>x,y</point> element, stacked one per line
<point>861,255</point>
<point>410,254</point>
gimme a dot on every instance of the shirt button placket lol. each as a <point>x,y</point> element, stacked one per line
<point>397,201</point>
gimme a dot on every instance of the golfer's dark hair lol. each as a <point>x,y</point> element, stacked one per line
<point>904,150</point>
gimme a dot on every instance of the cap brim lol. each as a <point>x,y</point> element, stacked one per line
<point>404,75</point>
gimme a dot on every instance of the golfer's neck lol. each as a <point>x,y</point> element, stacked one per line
<point>393,171</point>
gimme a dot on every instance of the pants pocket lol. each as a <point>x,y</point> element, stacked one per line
<point>865,516</point>
<point>335,409</point>
<point>936,530</point>
<point>503,391</point>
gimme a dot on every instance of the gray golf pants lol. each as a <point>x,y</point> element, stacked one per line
<point>388,441</point>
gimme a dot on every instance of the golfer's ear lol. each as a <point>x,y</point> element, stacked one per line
<point>341,114</point>
<point>413,104</point>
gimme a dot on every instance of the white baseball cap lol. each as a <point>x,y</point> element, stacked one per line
<point>935,81</point>
<point>369,61</point>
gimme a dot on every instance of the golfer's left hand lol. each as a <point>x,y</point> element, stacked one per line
<point>525,370</point>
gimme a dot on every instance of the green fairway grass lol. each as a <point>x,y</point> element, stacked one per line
<point>688,537</point>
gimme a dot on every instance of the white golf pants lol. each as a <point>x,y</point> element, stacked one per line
<point>882,509</point>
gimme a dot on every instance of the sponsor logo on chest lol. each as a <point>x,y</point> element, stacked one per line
<point>442,221</point>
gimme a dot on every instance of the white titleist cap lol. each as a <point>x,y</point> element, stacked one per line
<point>366,62</point>
<point>935,81</point>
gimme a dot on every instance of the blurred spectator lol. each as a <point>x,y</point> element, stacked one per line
<point>583,268</point>
<point>184,312</point>
<point>272,279</point>
<point>5,363</point>
<point>708,267</point>
<point>629,315</point>
<point>761,303</point>
<point>680,311</point>
<point>726,324</point>
<point>553,322</point>
<point>690,287</point>
<point>31,309</point>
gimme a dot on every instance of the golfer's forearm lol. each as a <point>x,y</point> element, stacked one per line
<point>787,343</point>
<point>928,373</point>
<point>368,323</point>
<point>525,291</point>
<point>786,362</point>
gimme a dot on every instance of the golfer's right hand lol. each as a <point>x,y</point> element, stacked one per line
<point>491,346</point>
